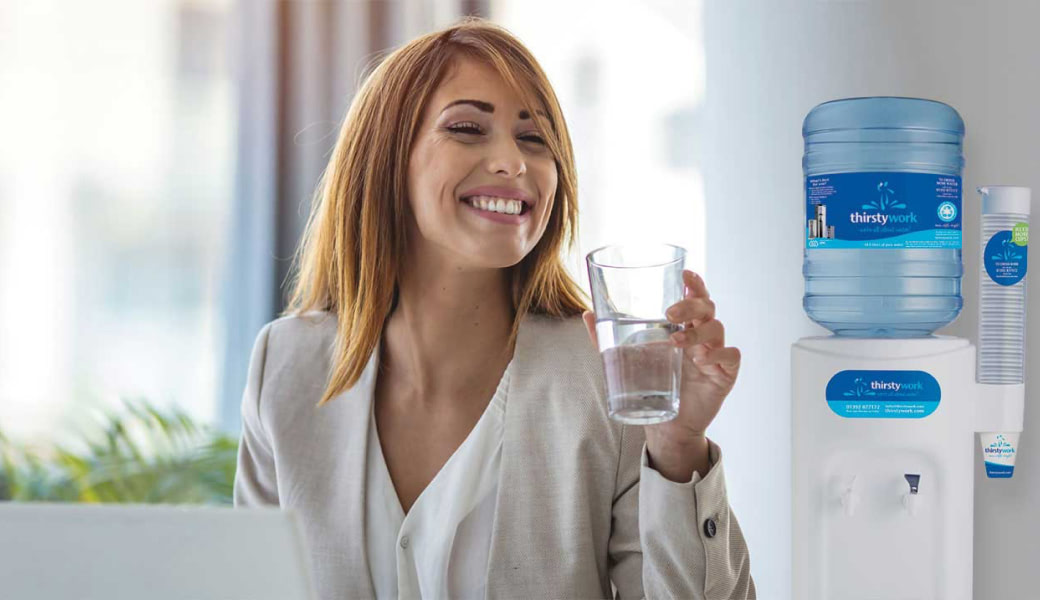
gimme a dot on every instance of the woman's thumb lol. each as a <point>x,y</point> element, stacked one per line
<point>590,325</point>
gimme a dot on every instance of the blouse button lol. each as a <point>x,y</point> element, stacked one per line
<point>404,541</point>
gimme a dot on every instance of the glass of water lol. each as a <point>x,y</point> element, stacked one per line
<point>632,286</point>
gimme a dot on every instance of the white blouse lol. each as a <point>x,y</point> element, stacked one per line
<point>440,548</point>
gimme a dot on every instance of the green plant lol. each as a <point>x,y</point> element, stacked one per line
<point>141,455</point>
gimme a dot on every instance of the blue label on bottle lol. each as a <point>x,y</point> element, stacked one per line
<point>855,394</point>
<point>1005,258</point>
<point>883,210</point>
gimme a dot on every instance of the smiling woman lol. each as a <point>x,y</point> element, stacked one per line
<point>433,102</point>
<point>491,162</point>
<point>430,404</point>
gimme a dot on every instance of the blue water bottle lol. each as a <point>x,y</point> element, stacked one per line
<point>883,216</point>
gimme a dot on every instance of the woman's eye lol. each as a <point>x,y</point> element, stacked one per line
<point>465,128</point>
<point>531,137</point>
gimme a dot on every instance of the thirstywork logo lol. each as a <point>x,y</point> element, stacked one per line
<point>871,387</point>
<point>1001,447</point>
<point>881,218</point>
<point>886,201</point>
<point>895,385</point>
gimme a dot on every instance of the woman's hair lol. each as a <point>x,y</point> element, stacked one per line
<point>355,240</point>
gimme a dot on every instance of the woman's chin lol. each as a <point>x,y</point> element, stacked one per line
<point>495,258</point>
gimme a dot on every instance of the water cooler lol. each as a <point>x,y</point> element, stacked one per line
<point>885,417</point>
<point>883,502</point>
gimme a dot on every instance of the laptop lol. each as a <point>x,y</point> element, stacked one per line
<point>51,551</point>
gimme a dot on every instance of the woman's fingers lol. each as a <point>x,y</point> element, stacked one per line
<point>703,336</point>
<point>695,286</point>
<point>727,358</point>
<point>712,334</point>
<point>691,310</point>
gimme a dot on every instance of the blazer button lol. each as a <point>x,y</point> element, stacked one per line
<point>404,542</point>
<point>709,527</point>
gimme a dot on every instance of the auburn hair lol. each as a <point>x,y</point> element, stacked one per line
<point>353,245</point>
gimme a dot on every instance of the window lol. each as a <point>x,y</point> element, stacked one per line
<point>630,77</point>
<point>116,177</point>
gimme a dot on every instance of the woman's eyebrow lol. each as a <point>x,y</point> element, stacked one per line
<point>479,104</point>
<point>487,107</point>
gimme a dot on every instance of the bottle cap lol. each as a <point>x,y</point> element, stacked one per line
<point>1004,199</point>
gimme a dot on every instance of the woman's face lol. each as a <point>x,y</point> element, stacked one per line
<point>481,179</point>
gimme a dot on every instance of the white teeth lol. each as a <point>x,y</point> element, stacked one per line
<point>500,205</point>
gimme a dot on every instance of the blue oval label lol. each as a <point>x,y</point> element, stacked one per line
<point>1005,258</point>
<point>855,394</point>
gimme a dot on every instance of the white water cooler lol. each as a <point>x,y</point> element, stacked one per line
<point>883,478</point>
<point>884,427</point>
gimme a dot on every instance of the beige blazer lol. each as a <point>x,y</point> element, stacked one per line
<point>579,514</point>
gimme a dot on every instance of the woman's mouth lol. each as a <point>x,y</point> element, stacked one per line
<point>508,211</point>
<point>493,204</point>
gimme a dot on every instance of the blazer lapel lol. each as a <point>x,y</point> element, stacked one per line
<point>537,494</point>
<point>356,405</point>
<point>512,528</point>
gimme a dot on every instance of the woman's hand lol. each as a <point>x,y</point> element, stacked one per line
<point>709,370</point>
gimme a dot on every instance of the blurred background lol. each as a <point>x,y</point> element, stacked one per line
<point>159,158</point>
<point>158,165</point>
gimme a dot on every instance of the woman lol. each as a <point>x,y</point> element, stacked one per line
<point>431,404</point>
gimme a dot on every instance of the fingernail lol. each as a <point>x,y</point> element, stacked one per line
<point>679,337</point>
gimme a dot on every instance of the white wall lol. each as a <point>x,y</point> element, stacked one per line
<point>768,63</point>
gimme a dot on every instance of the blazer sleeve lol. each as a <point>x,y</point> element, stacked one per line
<point>662,544</point>
<point>255,480</point>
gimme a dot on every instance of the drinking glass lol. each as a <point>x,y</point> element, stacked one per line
<point>632,286</point>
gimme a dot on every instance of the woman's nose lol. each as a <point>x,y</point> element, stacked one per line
<point>506,158</point>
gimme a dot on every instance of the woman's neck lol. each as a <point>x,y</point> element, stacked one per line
<point>449,329</point>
